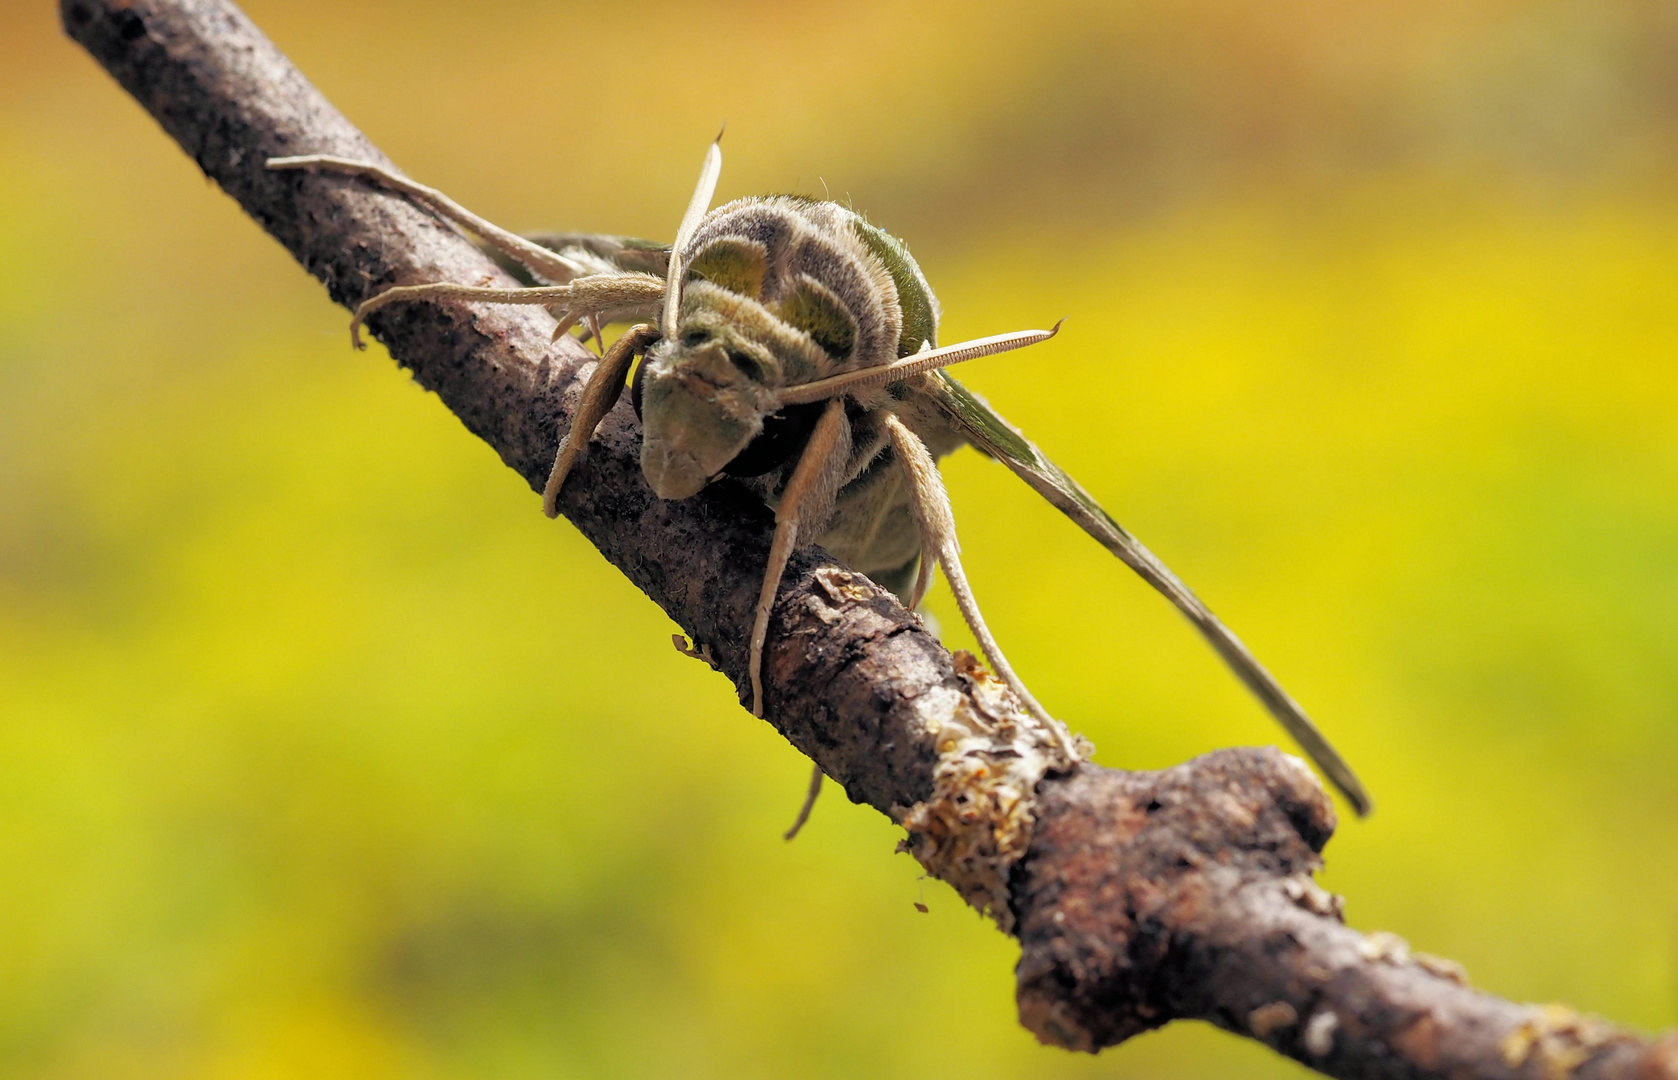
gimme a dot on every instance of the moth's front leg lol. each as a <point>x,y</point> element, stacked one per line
<point>601,393</point>
<point>605,252</point>
<point>544,296</point>
<point>600,298</point>
<point>808,498</point>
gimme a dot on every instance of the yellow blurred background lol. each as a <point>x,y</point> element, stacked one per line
<point>323,753</point>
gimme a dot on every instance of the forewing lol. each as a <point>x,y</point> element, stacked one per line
<point>597,253</point>
<point>616,252</point>
<point>976,420</point>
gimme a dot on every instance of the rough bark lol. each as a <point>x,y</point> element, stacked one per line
<point>1142,898</point>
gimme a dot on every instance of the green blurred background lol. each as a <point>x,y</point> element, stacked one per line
<point>323,753</point>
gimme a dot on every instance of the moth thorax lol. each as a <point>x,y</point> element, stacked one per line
<point>805,263</point>
<point>775,293</point>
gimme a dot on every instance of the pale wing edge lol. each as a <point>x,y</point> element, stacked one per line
<point>981,425</point>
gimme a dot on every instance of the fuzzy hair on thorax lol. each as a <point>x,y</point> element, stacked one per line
<point>824,271</point>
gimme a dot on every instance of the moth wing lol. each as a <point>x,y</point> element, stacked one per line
<point>615,252</point>
<point>993,435</point>
<point>599,253</point>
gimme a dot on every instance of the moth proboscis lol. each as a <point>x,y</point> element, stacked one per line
<point>790,344</point>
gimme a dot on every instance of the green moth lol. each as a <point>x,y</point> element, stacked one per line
<point>788,343</point>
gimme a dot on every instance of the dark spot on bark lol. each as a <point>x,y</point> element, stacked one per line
<point>129,25</point>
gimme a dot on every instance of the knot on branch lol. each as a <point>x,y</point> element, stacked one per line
<point>1125,866</point>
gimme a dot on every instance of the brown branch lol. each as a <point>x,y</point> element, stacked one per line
<point>1142,898</point>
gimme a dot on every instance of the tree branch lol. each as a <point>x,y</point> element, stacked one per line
<point>1138,898</point>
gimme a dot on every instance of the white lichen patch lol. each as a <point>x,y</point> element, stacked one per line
<point>1319,1032</point>
<point>842,586</point>
<point>991,755</point>
<point>1440,966</point>
<point>1305,892</point>
<point>1383,947</point>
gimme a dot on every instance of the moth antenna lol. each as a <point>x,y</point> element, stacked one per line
<point>919,363</point>
<point>599,395</point>
<point>697,206</point>
<point>829,444</point>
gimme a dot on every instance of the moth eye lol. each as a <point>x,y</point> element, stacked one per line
<point>750,368</point>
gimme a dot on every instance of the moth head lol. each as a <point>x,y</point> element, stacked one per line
<point>702,397</point>
<point>709,395</point>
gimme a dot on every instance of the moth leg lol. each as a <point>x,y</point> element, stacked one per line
<point>700,651</point>
<point>448,290</point>
<point>938,531</point>
<point>813,483</point>
<point>599,298</point>
<point>567,319</point>
<point>593,320</point>
<point>997,438</point>
<point>599,396</point>
<point>809,802</point>
<point>540,260</point>
<point>923,579</point>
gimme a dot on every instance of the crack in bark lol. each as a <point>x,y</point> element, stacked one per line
<point>1143,897</point>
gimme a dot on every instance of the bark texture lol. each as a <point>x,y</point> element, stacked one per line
<point>1142,897</point>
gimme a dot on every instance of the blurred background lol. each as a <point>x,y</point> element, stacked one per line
<point>323,753</point>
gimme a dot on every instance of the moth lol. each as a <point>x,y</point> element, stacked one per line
<point>790,344</point>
